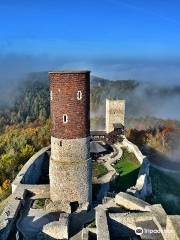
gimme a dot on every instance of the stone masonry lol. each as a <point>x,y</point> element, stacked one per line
<point>70,162</point>
<point>115,113</point>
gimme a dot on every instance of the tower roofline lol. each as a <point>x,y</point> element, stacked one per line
<point>70,71</point>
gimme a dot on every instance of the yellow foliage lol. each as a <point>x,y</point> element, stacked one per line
<point>27,150</point>
<point>18,143</point>
<point>6,184</point>
<point>1,190</point>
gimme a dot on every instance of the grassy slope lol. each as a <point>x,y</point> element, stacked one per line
<point>128,169</point>
<point>98,169</point>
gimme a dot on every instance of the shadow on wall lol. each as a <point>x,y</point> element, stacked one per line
<point>117,229</point>
<point>119,184</point>
<point>122,183</point>
<point>31,227</point>
<point>38,172</point>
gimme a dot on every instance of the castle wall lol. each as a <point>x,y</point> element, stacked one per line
<point>143,187</point>
<point>32,170</point>
<point>70,163</point>
<point>115,113</point>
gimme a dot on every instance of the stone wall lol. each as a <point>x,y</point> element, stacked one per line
<point>71,182</point>
<point>102,224</point>
<point>115,113</point>
<point>131,147</point>
<point>31,171</point>
<point>26,181</point>
<point>10,213</point>
<point>67,150</point>
<point>70,171</point>
<point>143,187</point>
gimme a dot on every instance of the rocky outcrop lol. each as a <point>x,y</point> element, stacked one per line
<point>173,227</point>
<point>130,202</point>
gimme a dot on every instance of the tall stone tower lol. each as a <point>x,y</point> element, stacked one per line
<point>115,113</point>
<point>70,168</point>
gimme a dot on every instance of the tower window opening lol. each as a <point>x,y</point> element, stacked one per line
<point>79,95</point>
<point>65,118</point>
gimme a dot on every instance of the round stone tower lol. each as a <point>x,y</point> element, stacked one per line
<point>70,168</point>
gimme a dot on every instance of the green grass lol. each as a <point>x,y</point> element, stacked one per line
<point>166,190</point>
<point>128,169</point>
<point>39,203</point>
<point>98,170</point>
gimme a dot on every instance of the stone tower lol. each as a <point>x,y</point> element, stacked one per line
<point>70,168</point>
<point>115,113</point>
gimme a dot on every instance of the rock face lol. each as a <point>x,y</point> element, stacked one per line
<point>70,163</point>
<point>115,113</point>
<point>130,202</point>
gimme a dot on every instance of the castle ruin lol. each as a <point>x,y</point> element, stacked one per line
<point>56,208</point>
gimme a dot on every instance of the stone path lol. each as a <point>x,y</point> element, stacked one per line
<point>105,180</point>
<point>108,161</point>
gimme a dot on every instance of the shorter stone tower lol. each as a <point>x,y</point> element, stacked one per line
<point>115,113</point>
<point>70,162</point>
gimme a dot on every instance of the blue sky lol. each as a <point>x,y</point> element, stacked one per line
<point>142,37</point>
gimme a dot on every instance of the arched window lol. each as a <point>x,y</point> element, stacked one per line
<point>79,95</point>
<point>65,118</point>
